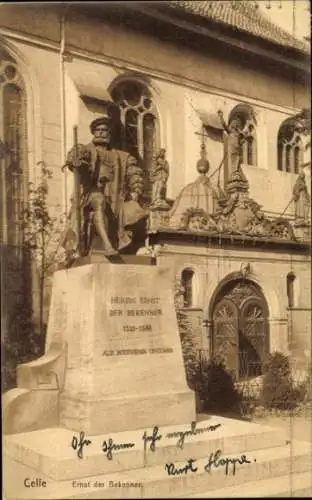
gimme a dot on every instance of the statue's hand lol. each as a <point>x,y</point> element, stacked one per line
<point>78,156</point>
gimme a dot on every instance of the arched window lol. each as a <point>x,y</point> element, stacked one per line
<point>138,124</point>
<point>289,147</point>
<point>242,121</point>
<point>187,279</point>
<point>14,154</point>
<point>290,289</point>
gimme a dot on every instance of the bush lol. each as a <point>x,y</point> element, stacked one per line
<point>278,389</point>
<point>22,344</point>
<point>190,354</point>
<point>217,389</point>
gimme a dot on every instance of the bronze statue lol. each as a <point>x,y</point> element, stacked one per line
<point>159,176</point>
<point>110,184</point>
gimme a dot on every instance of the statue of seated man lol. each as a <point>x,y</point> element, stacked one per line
<point>110,186</point>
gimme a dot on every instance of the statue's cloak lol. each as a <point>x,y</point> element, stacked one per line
<point>120,212</point>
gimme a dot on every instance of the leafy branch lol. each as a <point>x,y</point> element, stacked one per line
<point>41,232</point>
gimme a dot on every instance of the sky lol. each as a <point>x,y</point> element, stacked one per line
<point>284,18</point>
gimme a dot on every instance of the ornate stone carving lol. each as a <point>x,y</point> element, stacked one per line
<point>159,177</point>
<point>245,269</point>
<point>234,212</point>
<point>239,214</point>
<point>158,218</point>
<point>196,219</point>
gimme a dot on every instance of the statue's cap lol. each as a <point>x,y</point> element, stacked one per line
<point>106,118</point>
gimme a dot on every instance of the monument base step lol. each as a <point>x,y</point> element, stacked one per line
<point>295,485</point>
<point>47,455</point>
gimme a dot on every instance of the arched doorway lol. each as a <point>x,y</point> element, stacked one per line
<point>240,328</point>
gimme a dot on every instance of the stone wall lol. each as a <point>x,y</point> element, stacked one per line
<point>181,81</point>
<point>290,331</point>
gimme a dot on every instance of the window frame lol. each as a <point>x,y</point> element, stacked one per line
<point>18,180</point>
<point>289,148</point>
<point>142,154</point>
<point>188,287</point>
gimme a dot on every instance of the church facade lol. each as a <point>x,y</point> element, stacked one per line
<point>213,91</point>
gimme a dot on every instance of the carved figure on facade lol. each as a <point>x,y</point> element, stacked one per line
<point>237,134</point>
<point>240,214</point>
<point>233,213</point>
<point>107,200</point>
<point>159,178</point>
<point>302,200</point>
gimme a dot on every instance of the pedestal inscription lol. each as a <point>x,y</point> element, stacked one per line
<point>124,367</point>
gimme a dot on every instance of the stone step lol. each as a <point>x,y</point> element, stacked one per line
<point>154,481</point>
<point>283,486</point>
<point>49,451</point>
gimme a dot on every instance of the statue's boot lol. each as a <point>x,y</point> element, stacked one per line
<point>100,228</point>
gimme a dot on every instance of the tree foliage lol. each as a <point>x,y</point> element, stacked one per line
<point>41,232</point>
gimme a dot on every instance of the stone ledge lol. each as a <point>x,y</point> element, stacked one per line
<point>154,482</point>
<point>49,451</point>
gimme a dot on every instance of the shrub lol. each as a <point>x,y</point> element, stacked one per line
<point>217,391</point>
<point>191,361</point>
<point>22,344</point>
<point>278,389</point>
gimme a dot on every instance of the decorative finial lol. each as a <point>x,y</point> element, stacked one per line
<point>203,164</point>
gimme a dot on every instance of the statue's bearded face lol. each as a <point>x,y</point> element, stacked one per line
<point>102,135</point>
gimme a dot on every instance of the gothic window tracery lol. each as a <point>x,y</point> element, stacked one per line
<point>139,125</point>
<point>14,154</point>
<point>289,148</point>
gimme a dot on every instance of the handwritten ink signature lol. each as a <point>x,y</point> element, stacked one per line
<point>78,444</point>
<point>152,438</point>
<point>174,471</point>
<point>192,432</point>
<point>109,446</point>
<point>214,460</point>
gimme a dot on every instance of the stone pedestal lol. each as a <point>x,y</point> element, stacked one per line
<point>158,218</point>
<point>124,367</point>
